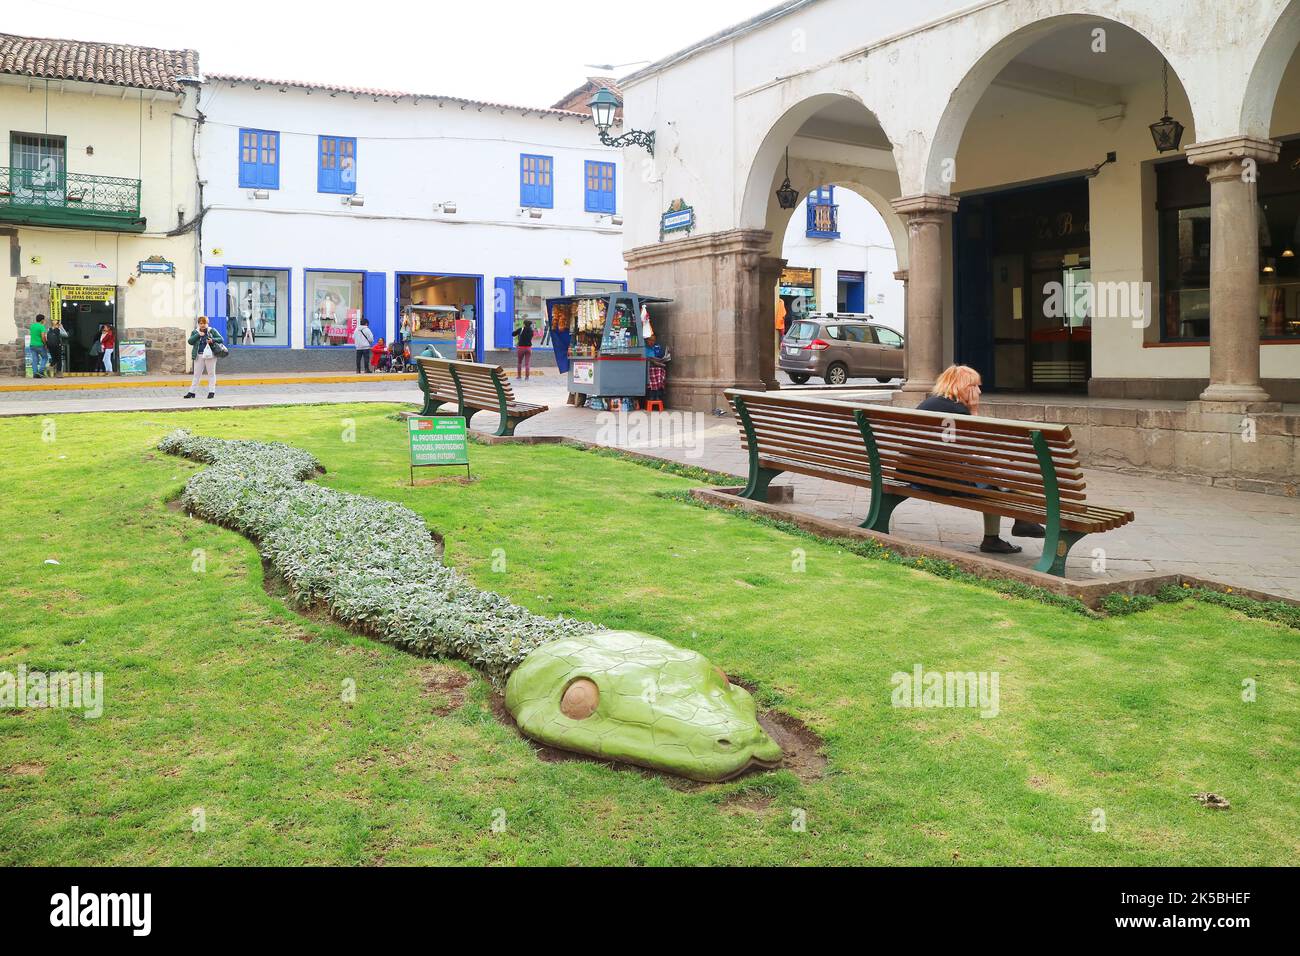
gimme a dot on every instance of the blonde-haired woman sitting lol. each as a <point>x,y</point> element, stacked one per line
<point>957,392</point>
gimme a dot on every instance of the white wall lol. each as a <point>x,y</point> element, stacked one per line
<point>410,156</point>
<point>865,245</point>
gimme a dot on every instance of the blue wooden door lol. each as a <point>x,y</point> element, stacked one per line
<point>214,298</point>
<point>375,308</point>
<point>503,325</point>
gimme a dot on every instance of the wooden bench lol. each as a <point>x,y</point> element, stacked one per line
<point>473,387</point>
<point>1015,469</point>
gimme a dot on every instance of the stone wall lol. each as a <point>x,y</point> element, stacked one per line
<point>165,349</point>
<point>1227,445</point>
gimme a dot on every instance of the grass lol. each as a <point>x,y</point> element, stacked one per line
<point>219,697</point>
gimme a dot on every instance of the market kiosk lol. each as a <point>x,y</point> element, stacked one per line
<point>606,343</point>
<point>445,327</point>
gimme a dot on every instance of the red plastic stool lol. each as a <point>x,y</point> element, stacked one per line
<point>654,405</point>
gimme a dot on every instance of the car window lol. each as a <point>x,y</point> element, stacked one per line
<point>888,337</point>
<point>835,332</point>
<point>802,331</point>
<point>856,333</point>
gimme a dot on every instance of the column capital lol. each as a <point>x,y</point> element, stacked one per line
<point>924,204</point>
<point>1233,149</point>
<point>901,275</point>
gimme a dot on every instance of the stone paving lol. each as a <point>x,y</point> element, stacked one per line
<point>1242,539</point>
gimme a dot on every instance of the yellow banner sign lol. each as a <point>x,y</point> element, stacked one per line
<point>87,293</point>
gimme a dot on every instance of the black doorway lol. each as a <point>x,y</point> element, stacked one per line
<point>83,320</point>
<point>1019,255</point>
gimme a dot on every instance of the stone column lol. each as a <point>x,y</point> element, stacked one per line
<point>925,215</point>
<point>1234,264</point>
<point>769,274</point>
<point>716,326</point>
<point>901,276</point>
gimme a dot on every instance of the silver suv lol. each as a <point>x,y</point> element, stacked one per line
<point>837,349</point>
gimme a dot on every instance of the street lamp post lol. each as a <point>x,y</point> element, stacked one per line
<point>603,105</point>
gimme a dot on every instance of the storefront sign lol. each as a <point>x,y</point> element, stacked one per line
<point>157,265</point>
<point>83,265</point>
<point>437,441</point>
<point>131,358</point>
<point>679,218</point>
<point>87,293</point>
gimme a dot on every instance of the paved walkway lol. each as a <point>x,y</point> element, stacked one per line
<point>1243,539</point>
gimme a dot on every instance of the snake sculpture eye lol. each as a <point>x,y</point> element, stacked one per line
<point>580,700</point>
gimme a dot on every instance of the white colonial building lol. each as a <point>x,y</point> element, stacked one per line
<point>328,204</point>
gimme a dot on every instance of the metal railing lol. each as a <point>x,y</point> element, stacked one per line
<point>63,195</point>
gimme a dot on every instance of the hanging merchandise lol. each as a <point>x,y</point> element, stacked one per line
<point>607,354</point>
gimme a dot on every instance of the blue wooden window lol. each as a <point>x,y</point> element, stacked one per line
<point>823,214</point>
<point>259,159</point>
<point>336,165</point>
<point>600,187</point>
<point>536,186</point>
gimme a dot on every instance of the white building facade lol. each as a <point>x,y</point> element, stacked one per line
<point>327,205</point>
<point>1007,144</point>
<point>850,266</point>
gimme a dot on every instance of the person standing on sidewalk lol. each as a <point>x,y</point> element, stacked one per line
<point>36,347</point>
<point>364,340</point>
<point>524,350</point>
<point>204,356</point>
<point>56,341</point>
<point>107,342</point>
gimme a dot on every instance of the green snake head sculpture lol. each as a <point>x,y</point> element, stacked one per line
<point>634,698</point>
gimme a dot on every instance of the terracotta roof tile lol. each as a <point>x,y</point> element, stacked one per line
<point>141,67</point>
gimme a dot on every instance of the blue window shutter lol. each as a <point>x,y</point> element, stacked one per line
<point>375,305</point>
<point>611,171</point>
<point>591,199</point>
<point>248,172</point>
<point>527,176</point>
<point>327,174</point>
<point>545,182</point>
<point>504,320</point>
<point>214,297</point>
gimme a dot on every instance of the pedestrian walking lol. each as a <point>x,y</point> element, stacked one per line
<point>206,344</point>
<point>524,350</point>
<point>364,340</point>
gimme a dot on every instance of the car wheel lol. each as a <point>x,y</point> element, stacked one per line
<point>798,378</point>
<point>883,381</point>
<point>837,374</point>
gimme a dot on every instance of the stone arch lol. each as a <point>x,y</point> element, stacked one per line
<point>980,75</point>
<point>768,166</point>
<point>1266,76</point>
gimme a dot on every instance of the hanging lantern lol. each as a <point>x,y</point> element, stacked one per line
<point>1168,132</point>
<point>787,196</point>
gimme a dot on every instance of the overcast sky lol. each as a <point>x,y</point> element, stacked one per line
<point>511,51</point>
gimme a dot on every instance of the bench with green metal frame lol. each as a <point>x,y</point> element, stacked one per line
<point>472,387</point>
<point>1021,470</point>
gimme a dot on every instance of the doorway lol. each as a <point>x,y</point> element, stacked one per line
<point>1023,266</point>
<point>442,311</point>
<point>84,310</point>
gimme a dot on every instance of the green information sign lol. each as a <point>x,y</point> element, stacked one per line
<point>437,441</point>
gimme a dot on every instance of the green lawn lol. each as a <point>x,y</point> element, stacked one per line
<point>221,697</point>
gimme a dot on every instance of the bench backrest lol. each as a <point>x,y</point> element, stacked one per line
<point>1025,463</point>
<point>478,382</point>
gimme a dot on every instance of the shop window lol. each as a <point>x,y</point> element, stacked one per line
<point>600,187</point>
<point>593,287</point>
<point>530,303</point>
<point>335,301</point>
<point>257,307</point>
<point>336,165</point>
<point>536,188</point>
<point>1183,198</point>
<point>259,159</point>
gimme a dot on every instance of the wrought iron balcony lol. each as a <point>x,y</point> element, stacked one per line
<point>57,198</point>
<point>823,220</point>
